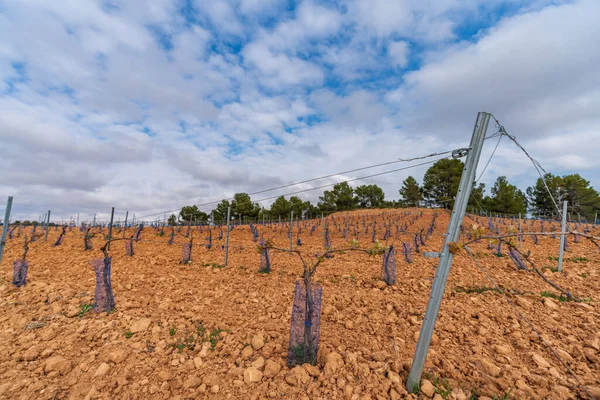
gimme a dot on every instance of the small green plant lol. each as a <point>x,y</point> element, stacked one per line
<point>551,258</point>
<point>128,335</point>
<point>200,330</point>
<point>161,233</point>
<point>301,354</point>
<point>415,389</point>
<point>562,298</point>
<point>579,259</point>
<point>553,269</point>
<point>213,337</point>
<point>583,275</point>
<point>85,308</point>
<point>172,331</point>
<point>159,323</point>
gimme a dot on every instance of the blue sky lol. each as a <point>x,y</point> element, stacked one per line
<point>148,106</point>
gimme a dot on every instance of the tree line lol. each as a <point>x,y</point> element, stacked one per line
<point>440,184</point>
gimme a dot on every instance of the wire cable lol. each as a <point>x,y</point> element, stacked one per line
<point>307,181</point>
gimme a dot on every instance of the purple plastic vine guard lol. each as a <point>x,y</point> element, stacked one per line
<point>388,271</point>
<point>20,273</point>
<point>298,353</point>
<point>104,300</point>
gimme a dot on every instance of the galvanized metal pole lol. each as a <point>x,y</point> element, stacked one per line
<point>521,232</point>
<point>227,236</point>
<point>125,227</point>
<point>112,216</point>
<point>562,236</point>
<point>77,219</point>
<point>94,223</point>
<point>291,231</point>
<point>596,219</point>
<point>5,226</point>
<point>441,275</point>
<point>47,225</point>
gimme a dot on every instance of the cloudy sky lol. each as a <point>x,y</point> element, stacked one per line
<point>149,106</point>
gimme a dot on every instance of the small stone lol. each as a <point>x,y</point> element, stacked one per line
<point>394,378</point>
<point>540,361</point>
<point>490,368</point>
<point>164,376</point>
<point>258,341</point>
<point>333,362</point>
<point>439,397</point>
<point>252,375</point>
<point>312,370</point>
<point>57,364</point>
<point>214,389</point>
<point>198,362</point>
<point>272,368</point>
<point>349,325</point>
<point>301,375</point>
<point>117,356</point>
<point>427,388</point>
<point>247,352</point>
<point>550,304</point>
<point>140,325</point>
<point>259,363</point>
<point>192,382</point>
<point>102,370</point>
<point>202,388</point>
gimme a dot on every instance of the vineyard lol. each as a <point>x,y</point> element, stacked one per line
<point>180,324</point>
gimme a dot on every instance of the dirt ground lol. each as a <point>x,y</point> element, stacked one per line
<point>202,330</point>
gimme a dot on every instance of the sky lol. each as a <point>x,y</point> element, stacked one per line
<point>150,106</point>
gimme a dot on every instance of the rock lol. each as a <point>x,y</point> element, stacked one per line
<point>247,352</point>
<point>301,375</point>
<point>192,382</point>
<point>140,325</point>
<point>202,388</point>
<point>333,362</point>
<point>394,378</point>
<point>380,356</point>
<point>349,324</point>
<point>540,361</point>
<point>198,362</point>
<point>164,376</point>
<point>550,304</point>
<point>427,388</point>
<point>252,375</point>
<point>439,397</point>
<point>312,370</point>
<point>490,368</point>
<point>503,349</point>
<point>272,368</point>
<point>102,370</point>
<point>259,363</point>
<point>117,356</point>
<point>214,389</point>
<point>520,384</point>
<point>58,364</point>
<point>32,353</point>
<point>258,341</point>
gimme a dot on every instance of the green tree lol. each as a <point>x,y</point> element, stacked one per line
<point>411,192</point>
<point>341,198</point>
<point>220,212</point>
<point>583,199</point>
<point>192,213</point>
<point>172,220</point>
<point>540,201</point>
<point>369,196</point>
<point>298,206</point>
<point>280,207</point>
<point>441,181</point>
<point>506,198</point>
<point>242,205</point>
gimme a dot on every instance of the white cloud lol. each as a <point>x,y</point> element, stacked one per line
<point>399,53</point>
<point>115,120</point>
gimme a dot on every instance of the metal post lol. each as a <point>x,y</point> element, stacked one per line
<point>5,226</point>
<point>291,230</point>
<point>596,219</point>
<point>441,275</point>
<point>125,227</point>
<point>77,219</point>
<point>94,223</point>
<point>562,236</point>
<point>112,216</point>
<point>47,225</point>
<point>227,236</point>
<point>521,232</point>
